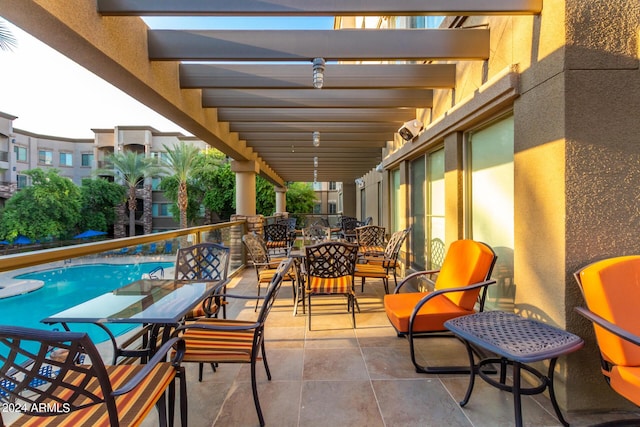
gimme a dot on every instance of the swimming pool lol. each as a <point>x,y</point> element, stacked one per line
<point>68,286</point>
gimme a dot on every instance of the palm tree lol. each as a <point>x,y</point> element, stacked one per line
<point>180,161</point>
<point>132,168</point>
<point>7,40</point>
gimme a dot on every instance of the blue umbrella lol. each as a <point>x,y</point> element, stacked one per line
<point>89,233</point>
<point>3,242</point>
<point>22,240</point>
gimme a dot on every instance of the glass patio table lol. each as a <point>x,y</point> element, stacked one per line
<point>157,305</point>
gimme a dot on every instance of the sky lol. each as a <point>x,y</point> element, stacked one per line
<point>52,95</point>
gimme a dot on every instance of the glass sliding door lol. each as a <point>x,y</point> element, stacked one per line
<point>490,213</point>
<point>435,209</point>
<point>418,212</point>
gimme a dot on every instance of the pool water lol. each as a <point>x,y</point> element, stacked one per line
<point>68,286</point>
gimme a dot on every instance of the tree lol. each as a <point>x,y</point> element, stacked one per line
<point>99,199</point>
<point>49,208</point>
<point>217,183</point>
<point>7,39</point>
<point>132,168</point>
<point>180,163</point>
<point>265,197</point>
<point>300,197</point>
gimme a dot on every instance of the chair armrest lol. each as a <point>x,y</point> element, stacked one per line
<point>158,357</point>
<point>413,276</point>
<point>434,294</point>
<point>206,326</point>
<point>614,329</point>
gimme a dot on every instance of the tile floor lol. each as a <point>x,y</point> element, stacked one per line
<point>335,375</point>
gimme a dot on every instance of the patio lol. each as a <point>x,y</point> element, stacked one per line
<point>338,376</point>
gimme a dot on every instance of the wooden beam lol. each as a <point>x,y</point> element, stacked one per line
<point>332,45</point>
<point>319,8</point>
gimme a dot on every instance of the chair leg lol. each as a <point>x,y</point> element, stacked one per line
<point>309,308</point>
<point>161,406</point>
<point>362,286</point>
<point>435,369</point>
<point>183,397</point>
<point>254,388</point>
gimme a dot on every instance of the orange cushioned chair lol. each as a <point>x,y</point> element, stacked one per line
<point>611,290</point>
<point>461,283</point>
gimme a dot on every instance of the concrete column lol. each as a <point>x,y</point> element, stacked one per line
<point>245,186</point>
<point>349,199</point>
<point>281,199</point>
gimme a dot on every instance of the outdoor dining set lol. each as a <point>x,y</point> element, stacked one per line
<point>60,376</point>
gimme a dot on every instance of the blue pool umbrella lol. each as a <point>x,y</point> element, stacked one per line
<point>22,240</point>
<point>89,233</point>
<point>3,242</point>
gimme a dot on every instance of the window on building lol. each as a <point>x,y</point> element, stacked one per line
<point>396,209</point>
<point>45,157</point>
<point>158,155</point>
<point>490,196</point>
<point>333,185</point>
<point>21,153</point>
<point>317,208</point>
<point>87,159</point>
<point>417,205</point>
<point>66,159</point>
<point>332,208</point>
<point>317,186</point>
<point>22,181</point>
<point>435,210</point>
<point>160,209</point>
<point>155,183</point>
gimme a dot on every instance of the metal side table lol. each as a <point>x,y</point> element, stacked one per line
<point>517,341</point>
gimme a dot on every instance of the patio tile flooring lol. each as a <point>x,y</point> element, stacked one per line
<point>335,375</point>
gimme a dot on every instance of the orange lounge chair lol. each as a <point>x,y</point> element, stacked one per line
<point>461,284</point>
<point>611,290</point>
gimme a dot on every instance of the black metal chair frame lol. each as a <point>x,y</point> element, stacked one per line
<point>332,260</point>
<point>258,346</point>
<point>389,260</point>
<point>67,391</point>
<point>205,262</point>
<point>279,235</point>
<point>444,333</point>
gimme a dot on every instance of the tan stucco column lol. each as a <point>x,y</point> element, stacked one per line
<point>349,199</point>
<point>245,186</point>
<point>281,199</point>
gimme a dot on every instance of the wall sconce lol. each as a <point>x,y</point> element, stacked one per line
<point>318,73</point>
<point>315,162</point>
<point>360,182</point>
<point>316,139</point>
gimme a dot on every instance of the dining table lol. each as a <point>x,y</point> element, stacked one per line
<point>157,305</point>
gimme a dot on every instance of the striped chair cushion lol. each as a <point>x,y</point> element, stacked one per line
<point>265,276</point>
<point>219,346</point>
<point>370,270</point>
<point>333,285</point>
<point>280,244</point>
<point>133,407</point>
<point>372,250</point>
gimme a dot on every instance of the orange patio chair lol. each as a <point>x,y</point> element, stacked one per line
<point>461,284</point>
<point>611,290</point>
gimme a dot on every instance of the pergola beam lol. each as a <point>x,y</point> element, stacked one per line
<point>298,76</point>
<point>316,114</point>
<point>309,127</point>
<point>332,45</point>
<point>313,98</point>
<point>318,8</point>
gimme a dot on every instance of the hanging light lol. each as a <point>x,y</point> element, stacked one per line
<point>315,175</point>
<point>315,162</point>
<point>316,139</point>
<point>318,73</point>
